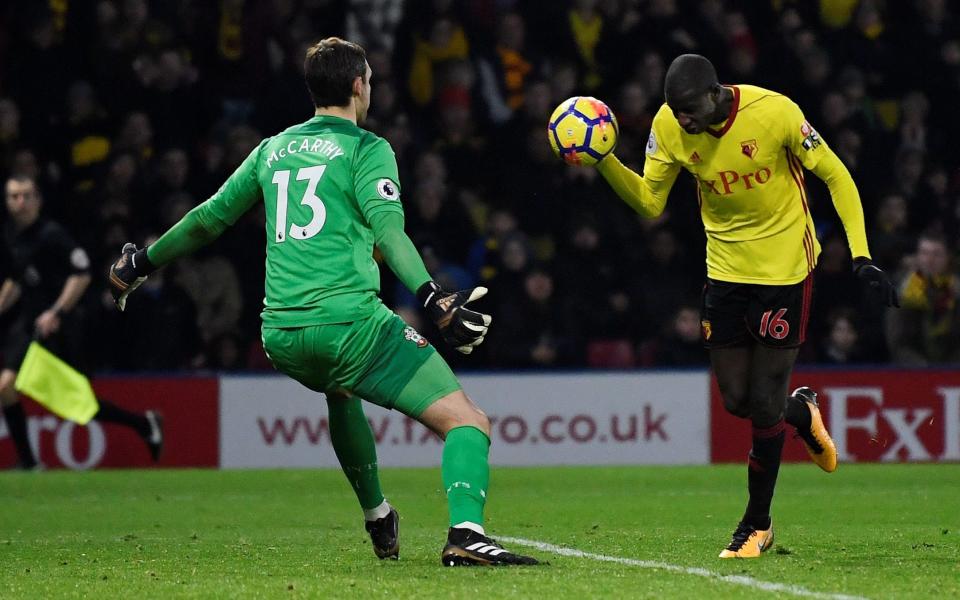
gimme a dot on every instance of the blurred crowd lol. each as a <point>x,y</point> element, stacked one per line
<point>131,112</point>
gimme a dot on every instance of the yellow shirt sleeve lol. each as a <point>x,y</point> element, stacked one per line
<point>647,193</point>
<point>804,142</point>
<point>846,201</point>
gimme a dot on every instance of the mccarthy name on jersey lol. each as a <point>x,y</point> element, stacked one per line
<point>321,147</point>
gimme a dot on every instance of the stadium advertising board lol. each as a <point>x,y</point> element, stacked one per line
<point>873,416</point>
<point>538,419</point>
<point>189,407</point>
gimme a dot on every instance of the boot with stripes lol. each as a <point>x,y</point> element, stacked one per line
<point>466,547</point>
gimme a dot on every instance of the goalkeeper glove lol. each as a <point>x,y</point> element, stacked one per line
<point>460,327</point>
<point>876,280</point>
<point>128,272</point>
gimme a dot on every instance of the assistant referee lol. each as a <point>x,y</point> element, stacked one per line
<point>45,275</point>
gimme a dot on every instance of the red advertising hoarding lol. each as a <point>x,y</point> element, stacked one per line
<point>873,416</point>
<point>190,408</point>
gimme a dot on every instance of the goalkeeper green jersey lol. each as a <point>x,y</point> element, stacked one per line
<point>321,182</point>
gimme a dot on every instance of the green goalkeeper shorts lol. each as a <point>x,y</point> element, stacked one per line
<point>380,359</point>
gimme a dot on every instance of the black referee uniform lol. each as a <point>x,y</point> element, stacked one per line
<point>40,258</point>
<point>43,256</point>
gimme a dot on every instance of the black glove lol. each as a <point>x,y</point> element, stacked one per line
<point>877,281</point>
<point>128,272</point>
<point>460,327</point>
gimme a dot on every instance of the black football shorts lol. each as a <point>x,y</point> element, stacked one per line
<point>66,343</point>
<point>774,315</point>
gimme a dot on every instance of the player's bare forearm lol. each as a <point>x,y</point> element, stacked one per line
<point>398,250</point>
<point>190,234</point>
<point>73,289</point>
<point>9,294</point>
<point>647,199</point>
<point>846,201</point>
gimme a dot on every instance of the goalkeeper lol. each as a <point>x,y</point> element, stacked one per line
<point>331,192</point>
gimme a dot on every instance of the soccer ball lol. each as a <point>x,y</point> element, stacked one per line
<point>582,130</point>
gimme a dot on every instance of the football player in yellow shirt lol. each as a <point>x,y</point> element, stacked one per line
<point>747,148</point>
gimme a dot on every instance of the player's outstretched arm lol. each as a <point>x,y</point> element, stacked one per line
<point>198,228</point>
<point>135,265</point>
<point>806,146</point>
<point>462,328</point>
<point>846,199</point>
<point>643,193</point>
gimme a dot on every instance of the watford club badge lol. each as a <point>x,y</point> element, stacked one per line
<point>749,147</point>
<point>705,328</point>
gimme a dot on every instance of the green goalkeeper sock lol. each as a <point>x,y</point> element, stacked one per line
<point>466,474</point>
<point>353,442</point>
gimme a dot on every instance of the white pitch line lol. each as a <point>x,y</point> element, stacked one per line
<point>766,586</point>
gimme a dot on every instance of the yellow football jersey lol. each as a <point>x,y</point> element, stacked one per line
<point>750,179</point>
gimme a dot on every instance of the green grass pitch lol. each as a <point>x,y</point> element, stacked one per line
<point>876,531</point>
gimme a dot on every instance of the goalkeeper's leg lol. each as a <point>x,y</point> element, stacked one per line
<point>383,360</point>
<point>356,450</point>
<point>465,467</point>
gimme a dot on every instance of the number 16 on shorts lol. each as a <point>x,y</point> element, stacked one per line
<point>773,315</point>
<point>778,315</point>
<point>774,325</point>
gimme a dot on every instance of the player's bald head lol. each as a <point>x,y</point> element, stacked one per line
<point>694,95</point>
<point>689,75</point>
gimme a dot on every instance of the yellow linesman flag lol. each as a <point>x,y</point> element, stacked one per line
<point>56,385</point>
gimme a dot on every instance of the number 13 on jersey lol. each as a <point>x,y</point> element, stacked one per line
<point>310,199</point>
